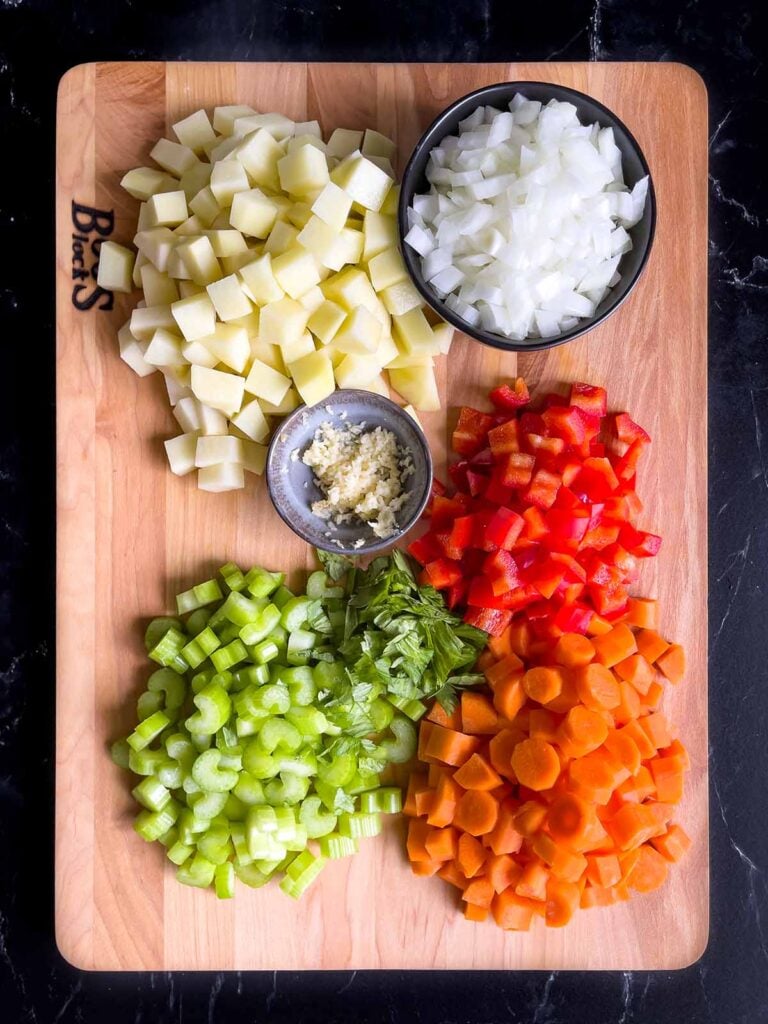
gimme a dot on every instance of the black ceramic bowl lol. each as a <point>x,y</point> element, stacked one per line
<point>589,110</point>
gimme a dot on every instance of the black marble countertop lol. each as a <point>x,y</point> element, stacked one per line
<point>728,44</point>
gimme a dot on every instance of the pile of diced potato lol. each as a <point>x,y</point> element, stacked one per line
<point>271,273</point>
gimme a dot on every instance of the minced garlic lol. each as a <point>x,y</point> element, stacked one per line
<point>362,475</point>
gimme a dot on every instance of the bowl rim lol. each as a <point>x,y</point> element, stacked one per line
<point>410,256</point>
<point>392,409</point>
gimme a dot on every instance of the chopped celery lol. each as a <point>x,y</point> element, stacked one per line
<point>386,800</point>
<point>150,825</point>
<point>277,732</point>
<point>157,629</point>
<point>146,762</point>
<point>228,656</point>
<point>234,809</point>
<point>250,875</point>
<point>148,703</point>
<point>281,597</point>
<point>274,698</point>
<point>308,720</point>
<point>301,685</point>
<point>359,825</point>
<point>265,652</point>
<point>120,753</point>
<point>251,675</point>
<point>261,626</point>
<point>239,844</point>
<point>232,576</point>
<point>248,789</point>
<point>151,793</point>
<point>200,647</point>
<point>300,644</point>
<point>214,708</point>
<point>294,613</point>
<point>257,763</point>
<point>288,788</point>
<point>148,730</point>
<point>171,775</point>
<point>179,852</point>
<point>382,713</point>
<point>198,597</point>
<point>315,821</point>
<point>198,872</point>
<point>403,746</point>
<point>209,776</point>
<point>261,583</point>
<point>197,621</point>
<point>316,584</point>
<point>224,881</point>
<point>335,846</point>
<point>339,771</point>
<point>206,805</point>
<point>362,782</point>
<point>167,650</point>
<point>300,874</point>
<point>414,709</point>
<point>201,680</point>
<point>240,610</point>
<point>170,685</point>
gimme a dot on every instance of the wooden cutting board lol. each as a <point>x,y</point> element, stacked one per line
<point>130,535</point>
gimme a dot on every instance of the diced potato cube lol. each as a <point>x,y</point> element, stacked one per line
<point>318,238</point>
<point>212,421</point>
<point>326,320</point>
<point>195,179</point>
<point>360,332</point>
<point>266,383</point>
<point>195,131</point>
<point>344,141</point>
<point>391,203</point>
<point>278,125</point>
<point>156,244</point>
<point>145,320</point>
<point>402,362</point>
<point>313,377</point>
<point>228,298</point>
<point>226,241</point>
<point>418,386</point>
<point>226,476</point>
<point>181,453</point>
<point>229,344</point>
<point>187,415</point>
<point>234,264</point>
<point>191,226</point>
<point>199,259</point>
<point>115,272</point>
<point>195,316</point>
<point>352,288</point>
<point>143,220</point>
<point>379,233</point>
<point>143,182</point>
<point>177,380</point>
<point>290,402</point>
<point>259,154</point>
<point>303,171</point>
<point>168,208</point>
<point>164,349</point>
<point>376,144</point>
<point>299,214</point>
<point>223,391</point>
<point>197,354</point>
<point>293,350</point>
<point>356,371</point>
<point>224,117</point>
<point>308,128</point>
<point>227,179</point>
<point>413,333</point>
<point>253,213</point>
<point>400,298</point>
<point>259,282</point>
<point>332,206</point>
<point>281,238</point>
<point>268,353</point>
<point>188,287</point>
<point>249,323</point>
<point>140,261</point>
<point>252,422</point>
<point>204,206</point>
<point>223,149</point>
<point>364,182</point>
<point>283,321</point>
<point>386,350</point>
<point>384,165</point>
<point>173,157</point>
<point>444,337</point>
<point>295,272</point>
<point>218,448</point>
<point>387,268</point>
<point>132,352</point>
<point>177,270</point>
<point>348,248</point>
<point>378,386</point>
<point>254,457</point>
<point>305,140</point>
<point>312,298</point>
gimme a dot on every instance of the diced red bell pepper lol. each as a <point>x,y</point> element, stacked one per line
<point>483,458</point>
<point>601,536</point>
<point>471,431</point>
<point>442,573</point>
<point>445,510</point>
<point>626,466</point>
<point>456,594</point>
<point>501,569</point>
<point>567,528</point>
<point>608,601</point>
<point>591,399</point>
<point>424,549</point>
<point>554,401</point>
<point>535,526</point>
<point>476,482</point>
<point>597,479</point>
<point>634,505</point>
<point>496,491</point>
<point>472,562</point>
<point>516,470</point>
<point>638,542</point>
<point>458,474</point>
<point>447,549</point>
<point>573,568</point>
<point>462,531</point>
<point>504,438</point>
<point>601,574</point>
<point>512,396</point>
<point>543,489</point>
<point>569,471</point>
<point>597,449</point>
<point>569,592</point>
<point>532,423</point>
<point>546,577</point>
<point>566,499</point>
<point>504,527</point>
<point>481,595</point>
<point>567,423</point>
<point>616,508</point>
<point>437,488</point>
<point>539,444</point>
<point>628,431</point>
<point>573,618</point>
<point>488,619</point>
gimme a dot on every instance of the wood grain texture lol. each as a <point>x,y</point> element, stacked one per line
<point>130,535</point>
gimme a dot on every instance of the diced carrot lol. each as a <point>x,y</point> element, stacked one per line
<point>629,706</point>
<point>502,871</point>
<point>656,729</point>
<point>417,835</point>
<point>501,646</point>
<point>596,896</point>
<point>544,683</point>
<point>504,838</point>
<point>480,892</point>
<point>476,773</point>
<point>486,659</point>
<point>476,813</point>
<point>668,777</point>
<point>564,863</point>
<point>573,649</point>
<point>638,788</point>
<point>615,646</point>
<point>676,749</point>
<point>621,892</point>
<point>652,698</point>
<point>500,751</point>
<point>642,612</point>
<point>596,686</point>
<point>434,773</point>
<point>595,839</point>
<point>636,732</point>
<point>423,800</point>
<point>425,868</point>
<point>650,644</point>
<point>595,776</point>
<point>451,873</point>
<point>509,696</point>
<point>478,715</point>
<point>533,882</point>
<point>471,855</point>
<point>672,663</point>
<point>568,696</point>
<point>632,826</point>
<point>474,913</point>
<point>627,861</point>
<point>439,716</point>
<point>520,638</point>
<point>649,872</point>
<point>443,806</point>
<point>536,764</point>
<point>543,725</point>
<point>512,912</point>
<point>673,845</point>
<point>603,869</point>
<point>425,732</point>
<point>598,626</point>
<point>417,783</point>
<point>636,670</point>
<point>442,843</point>
<point>585,730</point>
<point>663,812</point>
<point>568,818</point>
<point>530,817</point>
<point>562,900</point>
<point>450,746</point>
<point>624,749</point>
<point>508,668</point>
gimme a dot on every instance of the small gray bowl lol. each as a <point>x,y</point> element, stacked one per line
<point>292,487</point>
<point>589,110</point>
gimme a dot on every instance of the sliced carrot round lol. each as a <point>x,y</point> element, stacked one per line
<point>536,764</point>
<point>597,687</point>
<point>543,684</point>
<point>569,817</point>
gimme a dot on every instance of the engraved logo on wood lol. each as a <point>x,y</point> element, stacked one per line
<point>91,227</point>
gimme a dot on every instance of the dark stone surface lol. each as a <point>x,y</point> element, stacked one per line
<point>726,43</point>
